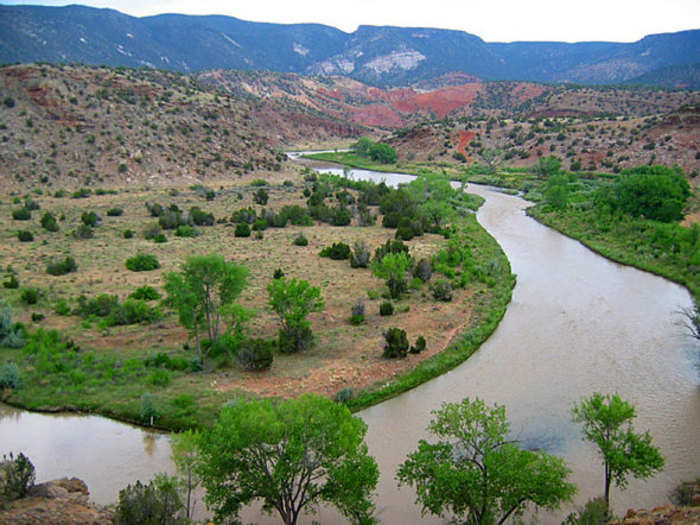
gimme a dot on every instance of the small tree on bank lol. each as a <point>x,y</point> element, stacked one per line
<point>203,295</point>
<point>393,267</point>
<point>473,472</point>
<point>292,455</point>
<point>293,300</point>
<point>607,422</point>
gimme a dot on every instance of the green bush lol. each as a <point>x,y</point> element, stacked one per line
<point>12,283</point>
<point>418,346</point>
<point>242,230</point>
<point>63,267</point>
<point>25,236</point>
<point>9,376</point>
<point>159,377</point>
<point>357,313</point>
<point>128,234</point>
<point>21,214</point>
<point>185,230</point>
<point>90,218</point>
<point>395,343</point>
<point>134,311</point>
<point>201,218</point>
<point>17,476</point>
<point>261,197</point>
<point>301,240</point>
<point>160,238</point>
<point>82,193</point>
<point>338,251</point>
<point>29,296</point>
<point>149,410</point>
<point>341,216</point>
<point>62,307</point>
<point>386,308</point>
<point>142,262</point>
<point>115,212</point>
<point>442,290</point>
<point>256,354</point>
<point>145,293</point>
<point>260,225</point>
<point>344,395</point>
<point>594,512</point>
<point>48,222</point>
<point>423,270</point>
<point>155,503</point>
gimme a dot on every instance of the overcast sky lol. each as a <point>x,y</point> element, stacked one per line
<point>492,20</point>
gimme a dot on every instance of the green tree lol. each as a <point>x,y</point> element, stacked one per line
<point>362,146</point>
<point>382,153</point>
<point>291,455</point>
<point>188,461</point>
<point>293,300</point>
<point>152,504</point>
<point>473,472</point>
<point>556,192</point>
<point>203,294</point>
<point>607,422</point>
<point>547,167</point>
<point>393,267</point>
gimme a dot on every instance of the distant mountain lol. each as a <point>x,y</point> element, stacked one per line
<point>683,76</point>
<point>385,56</point>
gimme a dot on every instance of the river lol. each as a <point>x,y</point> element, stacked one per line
<point>577,324</point>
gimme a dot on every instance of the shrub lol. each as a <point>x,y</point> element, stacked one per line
<point>101,306</point>
<point>358,313</point>
<point>344,395</point>
<point>338,251</point>
<point>395,343</point>
<point>48,222</point>
<point>11,283</point>
<point>8,101</point>
<point>201,218</point>
<point>391,246</point>
<point>159,377</point>
<point>442,290</point>
<point>261,197</point>
<point>360,255</point>
<point>9,376</point>
<point>62,307</point>
<point>133,311</point>
<point>185,230</point>
<point>128,234</point>
<point>418,346</point>
<point>256,354</point>
<point>145,293</point>
<point>260,225</point>
<point>36,317</point>
<point>29,296</point>
<point>157,502</point>
<point>423,270</point>
<point>25,236</point>
<point>386,308</point>
<point>21,214</point>
<point>17,476</point>
<point>82,193</point>
<point>242,230</point>
<point>90,218</point>
<point>160,238</point>
<point>594,512</point>
<point>301,240</point>
<point>278,274</point>
<point>341,216</point>
<point>31,204</point>
<point>83,232</point>
<point>142,262</point>
<point>63,267</point>
<point>149,412</point>
<point>115,212</point>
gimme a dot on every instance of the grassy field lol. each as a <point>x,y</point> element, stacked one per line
<point>89,366</point>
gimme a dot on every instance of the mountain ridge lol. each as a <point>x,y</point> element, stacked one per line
<point>379,55</point>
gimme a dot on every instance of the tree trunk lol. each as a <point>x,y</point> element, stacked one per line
<point>607,485</point>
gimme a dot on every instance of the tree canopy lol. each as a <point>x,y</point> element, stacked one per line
<point>293,300</point>
<point>473,472</point>
<point>203,295</point>
<point>291,455</point>
<point>607,422</point>
<point>655,192</point>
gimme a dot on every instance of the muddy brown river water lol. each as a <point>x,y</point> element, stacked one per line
<point>577,324</point>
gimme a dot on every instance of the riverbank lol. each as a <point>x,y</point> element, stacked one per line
<point>80,369</point>
<point>628,243</point>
